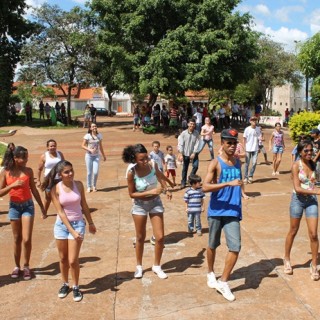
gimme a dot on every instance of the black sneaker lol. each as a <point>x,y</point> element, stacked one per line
<point>64,290</point>
<point>77,295</point>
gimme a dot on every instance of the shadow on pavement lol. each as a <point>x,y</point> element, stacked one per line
<point>255,273</point>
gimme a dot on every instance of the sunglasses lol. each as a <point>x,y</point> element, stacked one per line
<point>307,150</point>
<point>233,143</point>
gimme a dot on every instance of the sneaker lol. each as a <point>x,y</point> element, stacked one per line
<point>277,172</point>
<point>224,289</point>
<point>250,180</point>
<point>26,273</point>
<point>138,272</point>
<point>159,272</point>
<point>199,233</point>
<point>314,272</point>
<point>77,295</point>
<point>153,240</point>
<point>245,181</point>
<point>211,280</point>
<point>88,190</point>
<point>15,273</point>
<point>64,290</point>
<point>190,230</point>
<point>273,173</point>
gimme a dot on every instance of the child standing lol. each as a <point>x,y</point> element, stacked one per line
<point>194,199</point>
<point>170,164</point>
<point>157,156</point>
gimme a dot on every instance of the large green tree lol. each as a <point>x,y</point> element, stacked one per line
<point>14,30</point>
<point>273,67</point>
<point>171,46</point>
<point>61,49</point>
<point>309,59</point>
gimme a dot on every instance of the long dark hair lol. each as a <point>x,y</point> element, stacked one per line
<point>8,160</point>
<point>301,145</point>
<point>129,152</point>
<point>50,179</point>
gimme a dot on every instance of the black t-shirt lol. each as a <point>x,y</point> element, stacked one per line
<point>93,111</point>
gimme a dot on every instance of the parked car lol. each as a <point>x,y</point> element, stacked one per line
<point>102,112</point>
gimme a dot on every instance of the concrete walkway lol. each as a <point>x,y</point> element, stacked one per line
<point>261,288</point>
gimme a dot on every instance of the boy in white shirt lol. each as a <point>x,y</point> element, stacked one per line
<point>170,164</point>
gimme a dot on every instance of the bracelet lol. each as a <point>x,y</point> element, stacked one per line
<point>90,224</point>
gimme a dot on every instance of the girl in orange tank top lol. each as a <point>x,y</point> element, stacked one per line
<point>17,180</point>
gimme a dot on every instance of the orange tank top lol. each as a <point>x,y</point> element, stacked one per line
<point>21,193</point>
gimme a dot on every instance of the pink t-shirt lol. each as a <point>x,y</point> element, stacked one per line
<point>70,202</point>
<point>208,130</point>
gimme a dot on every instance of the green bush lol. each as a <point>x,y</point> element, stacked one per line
<point>303,123</point>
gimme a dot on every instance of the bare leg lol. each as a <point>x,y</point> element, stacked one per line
<point>16,226</point>
<point>27,227</point>
<point>211,256</point>
<point>47,201</point>
<point>62,246</point>
<point>312,224</point>
<point>158,232</point>
<point>294,227</point>
<point>230,261</point>
<point>140,225</point>
<point>73,257</point>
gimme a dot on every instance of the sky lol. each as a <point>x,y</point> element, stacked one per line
<point>285,21</point>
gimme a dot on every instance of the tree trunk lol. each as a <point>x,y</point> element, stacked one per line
<point>110,96</point>
<point>69,105</point>
<point>152,99</point>
<point>6,75</point>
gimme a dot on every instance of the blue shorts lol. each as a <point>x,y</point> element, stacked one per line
<point>300,202</point>
<point>231,229</point>
<point>277,149</point>
<point>142,207</point>
<point>20,209</point>
<point>61,232</point>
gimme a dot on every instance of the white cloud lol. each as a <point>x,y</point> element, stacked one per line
<point>81,2</point>
<point>315,21</point>
<point>262,9</point>
<point>283,14</point>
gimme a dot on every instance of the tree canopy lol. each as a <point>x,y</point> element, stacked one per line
<point>60,48</point>
<point>171,46</point>
<point>14,30</point>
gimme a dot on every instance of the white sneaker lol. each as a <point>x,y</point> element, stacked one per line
<point>224,289</point>
<point>158,271</point>
<point>88,190</point>
<point>211,280</point>
<point>138,272</point>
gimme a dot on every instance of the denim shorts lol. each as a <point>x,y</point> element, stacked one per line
<point>277,149</point>
<point>61,232</point>
<point>231,229</point>
<point>21,209</point>
<point>143,207</point>
<point>300,202</point>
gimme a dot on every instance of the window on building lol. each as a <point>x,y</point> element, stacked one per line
<point>275,103</point>
<point>280,103</point>
<point>286,103</point>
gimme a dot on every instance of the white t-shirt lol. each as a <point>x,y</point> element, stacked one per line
<point>170,160</point>
<point>93,143</point>
<point>158,158</point>
<point>252,138</point>
<point>198,117</point>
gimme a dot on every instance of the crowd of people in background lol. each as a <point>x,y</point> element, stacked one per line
<point>175,118</point>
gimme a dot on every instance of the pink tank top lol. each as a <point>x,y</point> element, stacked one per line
<point>70,202</point>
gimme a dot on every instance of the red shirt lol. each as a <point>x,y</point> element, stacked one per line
<point>20,193</point>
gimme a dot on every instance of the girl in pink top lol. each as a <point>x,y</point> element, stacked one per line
<point>207,131</point>
<point>18,180</point>
<point>69,200</point>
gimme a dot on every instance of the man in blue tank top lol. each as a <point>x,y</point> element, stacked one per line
<point>225,183</point>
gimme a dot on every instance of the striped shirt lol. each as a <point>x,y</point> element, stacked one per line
<point>193,197</point>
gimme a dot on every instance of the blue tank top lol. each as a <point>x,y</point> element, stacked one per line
<point>226,202</point>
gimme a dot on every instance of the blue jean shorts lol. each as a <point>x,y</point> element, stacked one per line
<point>61,232</point>
<point>231,229</point>
<point>277,149</point>
<point>17,210</point>
<point>300,202</point>
<point>142,207</point>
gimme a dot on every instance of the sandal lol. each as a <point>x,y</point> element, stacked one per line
<point>314,273</point>
<point>26,273</point>
<point>287,267</point>
<point>15,273</point>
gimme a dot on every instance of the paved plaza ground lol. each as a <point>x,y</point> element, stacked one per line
<point>107,259</point>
